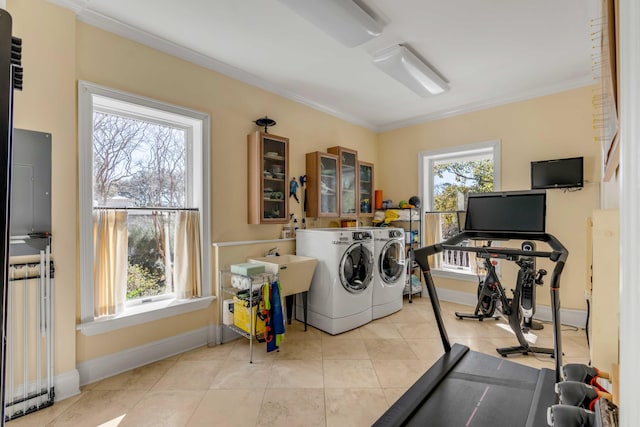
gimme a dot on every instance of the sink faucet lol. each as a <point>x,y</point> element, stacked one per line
<point>272,252</point>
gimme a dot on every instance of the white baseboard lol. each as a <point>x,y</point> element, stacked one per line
<point>67,384</point>
<point>107,366</point>
<point>571,317</point>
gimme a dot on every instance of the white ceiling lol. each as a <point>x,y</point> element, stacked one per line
<point>490,51</point>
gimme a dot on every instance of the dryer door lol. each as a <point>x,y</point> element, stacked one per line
<point>391,263</point>
<point>356,268</point>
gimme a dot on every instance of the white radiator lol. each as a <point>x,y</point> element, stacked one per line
<point>29,368</point>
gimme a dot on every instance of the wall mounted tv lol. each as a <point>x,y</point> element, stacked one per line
<point>558,173</point>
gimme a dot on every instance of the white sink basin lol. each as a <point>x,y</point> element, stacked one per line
<point>294,271</point>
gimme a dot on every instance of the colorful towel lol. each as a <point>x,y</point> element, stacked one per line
<point>276,318</point>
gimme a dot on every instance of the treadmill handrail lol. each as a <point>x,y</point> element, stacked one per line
<point>558,255</point>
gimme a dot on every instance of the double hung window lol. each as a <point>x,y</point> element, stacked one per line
<point>446,177</point>
<point>143,203</point>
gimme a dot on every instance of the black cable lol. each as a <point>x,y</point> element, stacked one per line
<point>586,328</point>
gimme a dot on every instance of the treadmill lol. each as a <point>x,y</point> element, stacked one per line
<point>468,388</point>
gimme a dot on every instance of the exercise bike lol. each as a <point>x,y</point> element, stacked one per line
<point>518,309</point>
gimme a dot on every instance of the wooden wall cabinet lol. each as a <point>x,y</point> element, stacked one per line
<point>365,195</point>
<point>348,190</point>
<point>268,187</point>
<point>322,197</point>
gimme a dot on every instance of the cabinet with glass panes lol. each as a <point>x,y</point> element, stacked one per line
<point>268,169</point>
<point>322,192</point>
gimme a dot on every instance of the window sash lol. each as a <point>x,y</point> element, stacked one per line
<point>454,261</point>
<point>197,174</point>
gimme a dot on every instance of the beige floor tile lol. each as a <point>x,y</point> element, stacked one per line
<point>216,352</point>
<point>296,374</point>
<point>417,331</point>
<point>97,407</point>
<point>376,331</point>
<point>241,351</point>
<point>428,350</point>
<point>399,373</point>
<point>411,314</point>
<point>143,378</point>
<point>349,374</point>
<point>315,379</point>
<point>344,349</point>
<point>239,374</point>
<point>43,416</point>
<point>353,334</point>
<point>228,408</point>
<point>389,350</point>
<point>296,331</point>
<point>170,408</point>
<point>393,394</point>
<point>292,408</point>
<point>299,349</point>
<point>190,375</point>
<point>354,407</point>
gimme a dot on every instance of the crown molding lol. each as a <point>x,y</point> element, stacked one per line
<point>114,26</point>
<point>77,6</point>
<point>91,17</point>
<point>483,105</point>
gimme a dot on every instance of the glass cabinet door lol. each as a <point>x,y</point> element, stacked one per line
<point>348,181</point>
<point>365,171</point>
<point>322,185</point>
<point>268,186</point>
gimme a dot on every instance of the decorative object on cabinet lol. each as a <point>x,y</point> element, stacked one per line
<point>322,197</point>
<point>349,183</point>
<point>268,169</point>
<point>266,122</point>
<point>365,177</point>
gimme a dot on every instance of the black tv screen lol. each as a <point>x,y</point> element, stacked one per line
<point>515,211</point>
<point>559,173</point>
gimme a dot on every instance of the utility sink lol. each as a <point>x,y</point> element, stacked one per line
<point>294,271</point>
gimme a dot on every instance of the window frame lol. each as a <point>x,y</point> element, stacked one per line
<point>426,160</point>
<point>198,195</point>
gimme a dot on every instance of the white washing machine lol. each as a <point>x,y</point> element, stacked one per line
<point>390,270</point>
<point>340,295</point>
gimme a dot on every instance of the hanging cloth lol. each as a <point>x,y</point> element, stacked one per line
<point>276,317</point>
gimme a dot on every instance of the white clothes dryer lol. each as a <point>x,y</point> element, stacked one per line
<point>390,271</point>
<point>340,295</point>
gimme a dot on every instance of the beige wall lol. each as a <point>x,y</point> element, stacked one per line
<point>48,104</point>
<point>549,127</point>
<point>58,51</point>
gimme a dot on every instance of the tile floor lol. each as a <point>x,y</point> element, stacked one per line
<point>315,380</point>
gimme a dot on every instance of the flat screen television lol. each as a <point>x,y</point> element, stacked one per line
<point>507,211</point>
<point>558,173</point>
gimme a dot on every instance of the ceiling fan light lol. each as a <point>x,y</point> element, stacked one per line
<point>401,64</point>
<point>343,20</point>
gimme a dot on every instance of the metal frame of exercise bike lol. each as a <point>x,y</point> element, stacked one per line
<point>518,310</point>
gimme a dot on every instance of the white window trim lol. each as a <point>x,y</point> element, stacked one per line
<point>147,312</point>
<point>424,182</point>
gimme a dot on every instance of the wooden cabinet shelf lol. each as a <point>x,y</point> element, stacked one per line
<point>268,169</point>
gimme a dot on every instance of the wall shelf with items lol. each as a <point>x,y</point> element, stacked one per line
<point>322,182</point>
<point>411,220</point>
<point>240,303</point>
<point>268,186</point>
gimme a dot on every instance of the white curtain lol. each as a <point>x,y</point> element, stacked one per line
<point>110,261</point>
<point>187,255</point>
